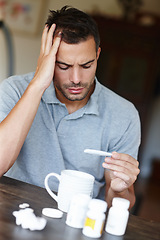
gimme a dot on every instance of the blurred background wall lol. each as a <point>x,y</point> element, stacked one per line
<point>26,47</point>
<point>126,23</point>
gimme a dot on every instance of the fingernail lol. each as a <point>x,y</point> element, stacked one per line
<point>115,155</point>
<point>59,34</point>
<point>107,159</point>
<point>105,165</point>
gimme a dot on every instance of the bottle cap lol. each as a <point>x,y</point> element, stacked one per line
<point>120,202</point>
<point>98,205</point>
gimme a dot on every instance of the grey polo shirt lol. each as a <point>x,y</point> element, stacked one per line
<point>57,140</point>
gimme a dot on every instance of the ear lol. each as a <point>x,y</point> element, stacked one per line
<point>98,52</point>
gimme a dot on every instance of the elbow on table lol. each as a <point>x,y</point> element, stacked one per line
<point>5,164</point>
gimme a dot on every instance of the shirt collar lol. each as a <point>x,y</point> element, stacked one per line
<point>92,105</point>
<point>49,97</point>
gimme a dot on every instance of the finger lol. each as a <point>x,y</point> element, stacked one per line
<point>121,163</point>
<point>128,179</point>
<point>115,167</point>
<point>44,37</point>
<point>128,170</point>
<point>49,39</point>
<point>56,43</point>
<point>125,157</point>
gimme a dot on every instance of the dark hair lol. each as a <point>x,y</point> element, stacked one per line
<point>75,25</point>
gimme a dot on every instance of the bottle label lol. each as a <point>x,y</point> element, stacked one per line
<point>90,223</point>
<point>102,227</point>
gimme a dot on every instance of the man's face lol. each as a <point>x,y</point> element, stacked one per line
<point>75,70</point>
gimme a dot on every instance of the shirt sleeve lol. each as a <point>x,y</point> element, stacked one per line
<point>129,140</point>
<point>9,96</point>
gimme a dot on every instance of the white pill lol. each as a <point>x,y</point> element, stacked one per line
<point>51,212</point>
<point>24,205</point>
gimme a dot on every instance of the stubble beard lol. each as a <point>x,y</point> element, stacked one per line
<point>75,97</point>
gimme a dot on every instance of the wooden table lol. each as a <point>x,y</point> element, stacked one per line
<point>13,193</point>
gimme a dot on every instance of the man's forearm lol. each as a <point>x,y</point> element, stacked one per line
<point>15,127</point>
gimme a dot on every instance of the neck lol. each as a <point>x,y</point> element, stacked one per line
<point>74,106</point>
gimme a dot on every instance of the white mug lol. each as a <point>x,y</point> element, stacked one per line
<point>71,182</point>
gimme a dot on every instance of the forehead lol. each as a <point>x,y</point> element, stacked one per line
<point>79,52</point>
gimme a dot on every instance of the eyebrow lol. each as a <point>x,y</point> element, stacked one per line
<point>69,65</point>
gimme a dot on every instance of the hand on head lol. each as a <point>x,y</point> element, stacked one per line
<point>46,61</point>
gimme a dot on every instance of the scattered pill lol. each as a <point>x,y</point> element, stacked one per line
<point>23,205</point>
<point>51,212</point>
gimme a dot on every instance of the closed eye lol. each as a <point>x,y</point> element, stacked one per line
<point>62,65</point>
<point>65,66</point>
<point>86,66</point>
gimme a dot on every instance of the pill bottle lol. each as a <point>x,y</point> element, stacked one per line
<point>117,217</point>
<point>95,218</point>
<point>77,210</point>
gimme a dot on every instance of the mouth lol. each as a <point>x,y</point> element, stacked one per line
<point>75,90</point>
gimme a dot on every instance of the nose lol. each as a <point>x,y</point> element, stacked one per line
<point>75,75</point>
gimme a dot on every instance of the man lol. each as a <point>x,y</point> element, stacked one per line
<point>49,117</point>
